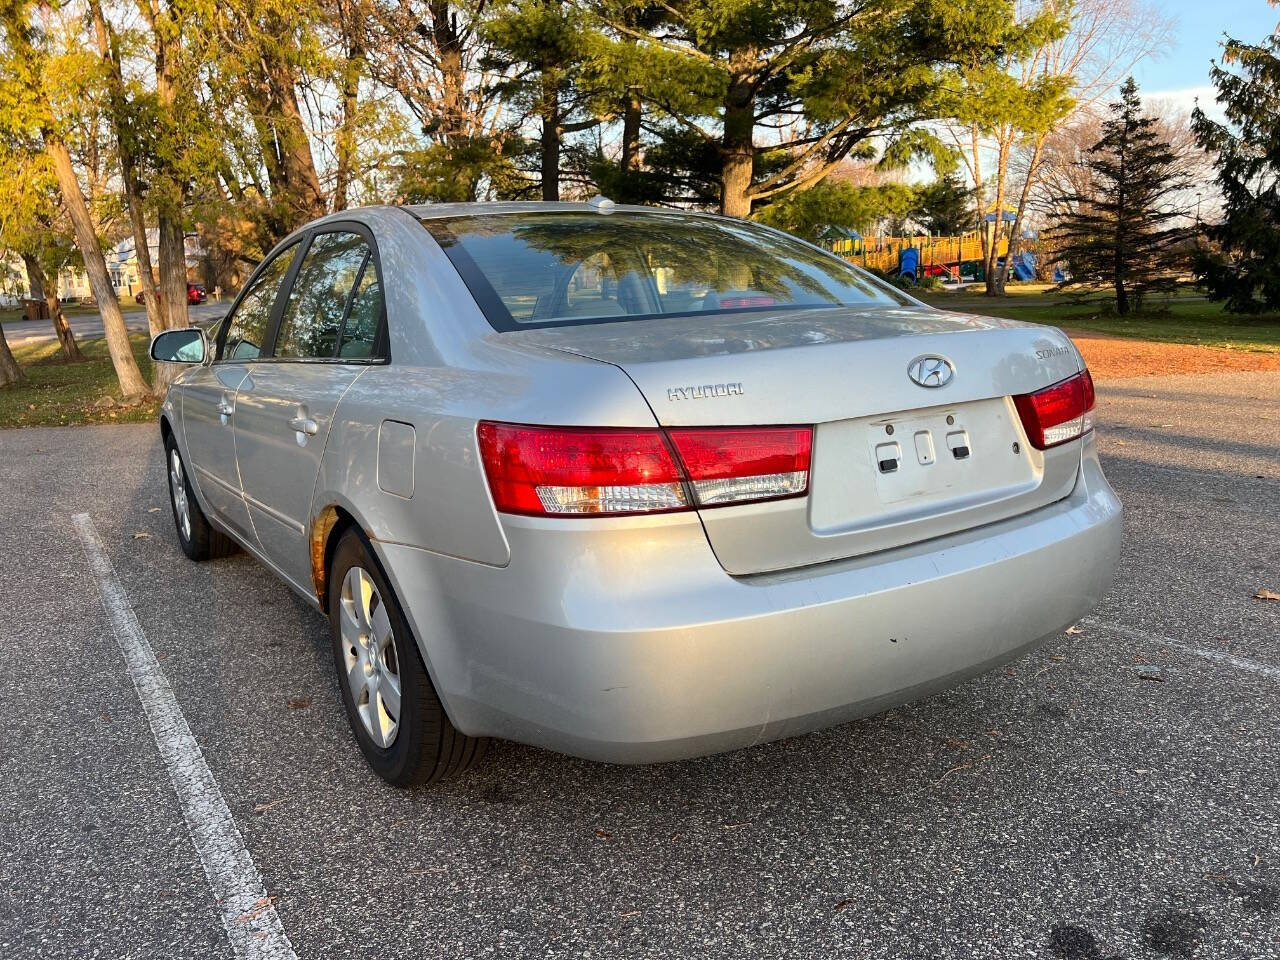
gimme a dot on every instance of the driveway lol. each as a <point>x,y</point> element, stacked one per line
<point>88,326</point>
<point>1115,794</point>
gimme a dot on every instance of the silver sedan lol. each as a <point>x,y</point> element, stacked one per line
<point>630,484</point>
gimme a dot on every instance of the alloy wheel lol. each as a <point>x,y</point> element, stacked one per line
<point>370,657</point>
<point>178,490</point>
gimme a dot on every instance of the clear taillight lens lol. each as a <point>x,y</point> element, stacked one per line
<point>1058,413</point>
<point>572,471</point>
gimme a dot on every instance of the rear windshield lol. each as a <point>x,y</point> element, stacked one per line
<point>555,269</point>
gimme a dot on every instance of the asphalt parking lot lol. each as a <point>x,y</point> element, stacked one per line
<point>1114,794</point>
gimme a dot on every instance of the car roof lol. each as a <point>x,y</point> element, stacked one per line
<point>436,211</point>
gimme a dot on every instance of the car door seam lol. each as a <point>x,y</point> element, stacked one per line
<point>324,449</point>
<point>235,452</point>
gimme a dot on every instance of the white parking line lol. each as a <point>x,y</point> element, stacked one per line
<point>1240,663</point>
<point>251,922</point>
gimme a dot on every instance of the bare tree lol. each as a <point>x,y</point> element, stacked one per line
<point>1104,40</point>
<point>1063,174</point>
<point>432,53</point>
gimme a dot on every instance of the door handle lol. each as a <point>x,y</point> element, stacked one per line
<point>304,425</point>
<point>225,409</point>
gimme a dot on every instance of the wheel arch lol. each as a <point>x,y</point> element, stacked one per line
<point>326,530</point>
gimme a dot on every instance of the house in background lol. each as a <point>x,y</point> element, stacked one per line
<point>73,283</point>
<point>122,262</point>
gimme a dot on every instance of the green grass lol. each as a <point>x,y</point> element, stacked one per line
<point>57,393</point>
<point>1184,317</point>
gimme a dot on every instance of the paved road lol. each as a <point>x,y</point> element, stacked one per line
<point>89,325</point>
<point>1062,807</point>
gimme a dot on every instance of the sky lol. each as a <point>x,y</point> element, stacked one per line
<point>1182,72</point>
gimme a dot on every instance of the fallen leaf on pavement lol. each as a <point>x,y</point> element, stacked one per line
<point>1074,629</point>
<point>603,834</point>
<point>298,703</point>
<point>154,510</point>
<point>262,905</point>
<point>264,807</point>
<point>142,535</point>
<point>1265,594</point>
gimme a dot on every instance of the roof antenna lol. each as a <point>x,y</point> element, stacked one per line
<point>601,204</point>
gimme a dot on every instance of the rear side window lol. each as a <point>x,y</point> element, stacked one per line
<point>360,332</point>
<point>311,326</point>
<point>247,328</point>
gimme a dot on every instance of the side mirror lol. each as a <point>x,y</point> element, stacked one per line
<point>188,345</point>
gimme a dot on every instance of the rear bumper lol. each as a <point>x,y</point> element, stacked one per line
<point>631,644</point>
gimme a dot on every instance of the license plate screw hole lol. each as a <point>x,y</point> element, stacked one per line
<point>1016,448</point>
<point>950,420</point>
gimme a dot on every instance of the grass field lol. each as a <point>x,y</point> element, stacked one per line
<point>1182,318</point>
<point>57,393</point>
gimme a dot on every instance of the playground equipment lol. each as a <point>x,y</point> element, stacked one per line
<point>960,258</point>
<point>932,256</point>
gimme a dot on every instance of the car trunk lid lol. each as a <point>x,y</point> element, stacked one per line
<point>893,462</point>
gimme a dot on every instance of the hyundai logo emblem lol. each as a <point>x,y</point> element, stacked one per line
<point>931,370</point>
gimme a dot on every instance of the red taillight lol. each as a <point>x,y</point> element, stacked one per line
<point>1058,413</point>
<point>732,464</point>
<point>566,471</point>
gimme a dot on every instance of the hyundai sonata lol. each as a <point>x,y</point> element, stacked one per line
<point>631,484</point>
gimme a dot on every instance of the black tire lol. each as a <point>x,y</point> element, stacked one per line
<point>426,747</point>
<point>199,539</point>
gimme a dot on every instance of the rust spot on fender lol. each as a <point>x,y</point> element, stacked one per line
<point>320,531</point>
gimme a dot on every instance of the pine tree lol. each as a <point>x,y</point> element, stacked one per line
<point>1246,273</point>
<point>1126,234</point>
<point>946,206</point>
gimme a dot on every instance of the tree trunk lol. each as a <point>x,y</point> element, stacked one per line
<point>173,273</point>
<point>173,292</point>
<point>738,145</point>
<point>41,289</point>
<point>1015,238</point>
<point>10,372</point>
<point>132,386</point>
<point>306,199</point>
<point>1119,271</point>
<point>630,134</point>
<point>549,143</point>
<point>995,285</point>
<point>345,137</point>
<point>979,197</point>
<point>128,166</point>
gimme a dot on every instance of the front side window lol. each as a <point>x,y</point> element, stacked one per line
<point>555,269</point>
<point>312,323</point>
<point>247,326</point>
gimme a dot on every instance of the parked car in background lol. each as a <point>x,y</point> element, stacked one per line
<point>631,484</point>
<point>195,294</point>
